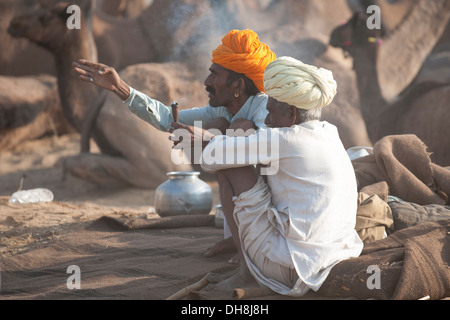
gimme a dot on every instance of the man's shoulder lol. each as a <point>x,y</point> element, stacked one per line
<point>260,98</point>
<point>257,103</point>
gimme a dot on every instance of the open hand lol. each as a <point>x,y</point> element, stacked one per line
<point>102,76</point>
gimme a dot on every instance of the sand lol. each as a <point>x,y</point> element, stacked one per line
<point>38,242</point>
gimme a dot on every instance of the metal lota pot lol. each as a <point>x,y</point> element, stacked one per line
<point>183,194</point>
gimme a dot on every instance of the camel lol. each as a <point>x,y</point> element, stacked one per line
<point>162,32</point>
<point>157,34</point>
<point>416,43</point>
<point>123,8</point>
<point>127,33</point>
<point>436,67</point>
<point>422,110</point>
<point>133,153</point>
<point>29,109</point>
<point>19,57</point>
<point>400,58</point>
<point>412,38</point>
<point>312,21</point>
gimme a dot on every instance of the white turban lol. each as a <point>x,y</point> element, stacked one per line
<point>295,83</point>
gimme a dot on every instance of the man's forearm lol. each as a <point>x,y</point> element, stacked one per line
<point>122,91</point>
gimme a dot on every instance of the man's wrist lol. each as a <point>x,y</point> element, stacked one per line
<point>122,91</point>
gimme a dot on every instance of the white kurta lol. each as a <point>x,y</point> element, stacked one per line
<point>160,115</point>
<point>314,193</point>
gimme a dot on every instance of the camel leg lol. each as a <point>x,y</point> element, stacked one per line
<point>110,171</point>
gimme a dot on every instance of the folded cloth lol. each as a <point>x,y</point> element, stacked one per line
<point>404,163</point>
<point>409,264</point>
<point>408,214</point>
<point>374,218</point>
<point>381,189</point>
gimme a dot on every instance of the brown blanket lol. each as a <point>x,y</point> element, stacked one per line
<point>413,263</point>
<point>403,162</point>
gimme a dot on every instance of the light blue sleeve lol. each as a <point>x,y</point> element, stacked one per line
<point>160,115</point>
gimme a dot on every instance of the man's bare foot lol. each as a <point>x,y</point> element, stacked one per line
<point>224,246</point>
<point>236,259</point>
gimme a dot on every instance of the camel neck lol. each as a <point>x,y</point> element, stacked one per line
<point>405,48</point>
<point>372,102</point>
<point>75,94</point>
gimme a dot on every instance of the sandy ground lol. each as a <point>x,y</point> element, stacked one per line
<point>76,204</point>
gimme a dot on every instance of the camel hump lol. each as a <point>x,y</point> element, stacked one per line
<point>149,78</point>
<point>167,82</point>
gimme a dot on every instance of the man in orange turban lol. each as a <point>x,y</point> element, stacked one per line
<point>242,52</point>
<point>235,86</point>
<point>235,90</point>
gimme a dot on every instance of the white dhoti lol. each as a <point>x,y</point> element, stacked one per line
<point>264,247</point>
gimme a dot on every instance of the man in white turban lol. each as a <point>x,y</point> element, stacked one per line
<point>291,230</point>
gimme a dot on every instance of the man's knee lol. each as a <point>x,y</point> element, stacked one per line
<point>220,176</point>
<point>239,179</point>
<point>241,127</point>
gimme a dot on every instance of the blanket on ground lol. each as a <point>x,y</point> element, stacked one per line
<point>412,263</point>
<point>402,161</point>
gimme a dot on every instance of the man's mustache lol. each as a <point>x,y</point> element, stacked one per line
<point>210,90</point>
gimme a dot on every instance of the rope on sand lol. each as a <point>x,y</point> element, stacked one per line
<point>186,291</point>
<point>212,277</point>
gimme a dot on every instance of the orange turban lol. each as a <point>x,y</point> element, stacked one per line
<point>242,52</point>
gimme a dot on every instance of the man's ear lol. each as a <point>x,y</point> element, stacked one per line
<point>293,114</point>
<point>241,86</point>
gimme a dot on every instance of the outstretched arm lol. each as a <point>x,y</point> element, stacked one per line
<point>150,110</point>
<point>102,76</point>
